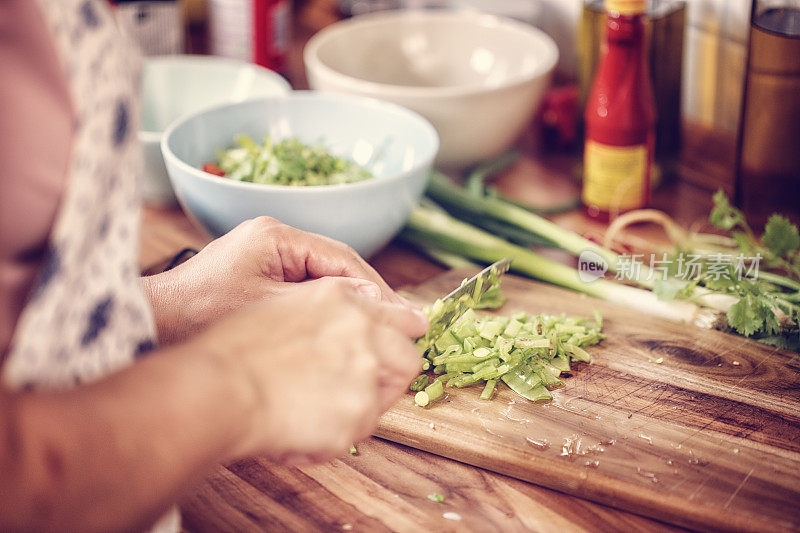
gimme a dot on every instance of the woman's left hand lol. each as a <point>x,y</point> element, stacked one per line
<point>258,259</point>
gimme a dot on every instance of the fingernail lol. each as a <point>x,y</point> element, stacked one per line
<point>370,291</point>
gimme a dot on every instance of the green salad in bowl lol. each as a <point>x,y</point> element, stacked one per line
<point>286,162</point>
<point>394,144</point>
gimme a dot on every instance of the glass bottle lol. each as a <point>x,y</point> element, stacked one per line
<point>665,25</point>
<point>768,159</point>
<point>620,118</point>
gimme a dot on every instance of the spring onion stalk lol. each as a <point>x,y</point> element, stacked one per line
<point>451,196</point>
<point>475,184</point>
<point>429,227</point>
<point>476,178</point>
<point>446,259</point>
<point>502,229</point>
<point>497,215</point>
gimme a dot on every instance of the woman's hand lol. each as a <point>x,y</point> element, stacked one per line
<point>321,363</point>
<point>298,377</point>
<point>258,259</point>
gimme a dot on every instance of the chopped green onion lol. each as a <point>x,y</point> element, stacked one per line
<point>527,342</point>
<point>577,353</point>
<point>432,392</point>
<point>422,399</point>
<point>419,383</point>
<point>444,378</point>
<point>488,389</point>
<point>436,497</point>
<point>527,352</point>
<point>598,318</point>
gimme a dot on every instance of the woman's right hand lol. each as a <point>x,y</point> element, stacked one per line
<point>318,366</point>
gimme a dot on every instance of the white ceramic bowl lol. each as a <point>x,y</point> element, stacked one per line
<point>396,144</point>
<point>173,86</point>
<point>478,78</point>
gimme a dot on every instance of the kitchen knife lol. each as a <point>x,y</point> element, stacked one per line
<point>450,308</point>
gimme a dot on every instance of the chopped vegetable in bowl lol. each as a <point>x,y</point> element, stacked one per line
<point>286,162</point>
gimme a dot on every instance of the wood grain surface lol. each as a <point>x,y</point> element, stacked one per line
<point>708,439</point>
<point>385,488</point>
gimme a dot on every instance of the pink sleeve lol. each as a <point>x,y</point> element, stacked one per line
<point>36,128</point>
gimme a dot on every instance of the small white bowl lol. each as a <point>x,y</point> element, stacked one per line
<point>478,78</point>
<point>396,144</point>
<point>173,86</point>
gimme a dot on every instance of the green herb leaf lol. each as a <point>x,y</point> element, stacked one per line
<point>436,497</point>
<point>743,318</point>
<point>780,236</point>
<point>743,242</point>
<point>765,313</point>
<point>753,314</point>
<point>667,289</point>
<point>787,341</point>
<point>724,215</point>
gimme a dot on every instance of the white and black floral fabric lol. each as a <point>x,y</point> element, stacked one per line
<point>87,315</point>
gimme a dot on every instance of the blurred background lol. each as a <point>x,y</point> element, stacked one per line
<point>698,53</point>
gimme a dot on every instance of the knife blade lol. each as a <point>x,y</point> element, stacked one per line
<point>455,304</point>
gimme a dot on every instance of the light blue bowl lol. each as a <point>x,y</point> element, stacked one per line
<point>396,144</point>
<point>175,85</point>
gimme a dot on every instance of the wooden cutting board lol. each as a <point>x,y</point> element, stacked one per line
<point>708,439</point>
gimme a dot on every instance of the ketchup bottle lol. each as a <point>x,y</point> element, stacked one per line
<point>620,118</point>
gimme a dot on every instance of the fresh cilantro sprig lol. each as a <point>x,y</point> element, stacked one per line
<point>779,245</point>
<point>767,306</point>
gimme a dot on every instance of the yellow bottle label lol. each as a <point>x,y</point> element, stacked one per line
<point>626,7</point>
<point>614,176</point>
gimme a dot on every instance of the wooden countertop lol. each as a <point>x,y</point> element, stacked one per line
<point>385,486</point>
